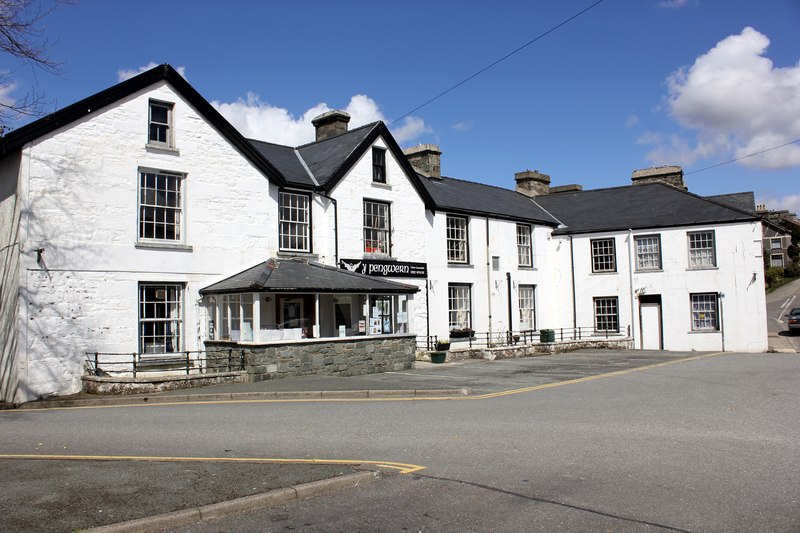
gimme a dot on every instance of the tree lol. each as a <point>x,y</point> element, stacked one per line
<point>21,38</point>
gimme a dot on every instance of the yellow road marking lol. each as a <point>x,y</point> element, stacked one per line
<point>389,399</point>
<point>403,468</point>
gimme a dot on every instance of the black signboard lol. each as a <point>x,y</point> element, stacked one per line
<point>385,269</point>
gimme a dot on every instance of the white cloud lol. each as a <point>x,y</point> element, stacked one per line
<point>123,74</point>
<point>631,121</point>
<point>5,94</point>
<point>463,126</point>
<point>790,202</point>
<point>733,92</point>
<point>263,121</point>
<point>673,4</point>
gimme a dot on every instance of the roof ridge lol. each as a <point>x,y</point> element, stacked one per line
<point>371,124</point>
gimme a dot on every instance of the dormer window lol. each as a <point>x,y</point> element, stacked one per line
<point>160,124</point>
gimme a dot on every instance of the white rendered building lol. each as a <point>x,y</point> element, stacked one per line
<point>139,221</point>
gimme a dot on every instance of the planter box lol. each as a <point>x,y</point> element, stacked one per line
<point>459,334</point>
<point>442,346</point>
<point>438,357</point>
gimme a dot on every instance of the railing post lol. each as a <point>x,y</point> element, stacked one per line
<point>187,362</point>
<point>241,360</point>
<point>562,334</point>
<point>133,360</point>
<point>96,364</point>
<point>230,353</point>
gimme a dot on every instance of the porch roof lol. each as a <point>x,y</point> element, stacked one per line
<point>300,275</point>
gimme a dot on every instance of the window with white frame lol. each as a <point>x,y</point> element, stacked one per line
<point>606,314</point>
<point>459,306</point>
<point>775,244</point>
<point>160,317</point>
<point>527,307</point>
<point>702,253</point>
<point>776,260</point>
<point>377,227</point>
<point>379,165</point>
<point>160,206</point>
<point>603,255</point>
<point>457,243</point>
<point>648,252</point>
<point>160,123</point>
<point>524,245</point>
<point>295,222</point>
<point>704,311</point>
<point>236,320</point>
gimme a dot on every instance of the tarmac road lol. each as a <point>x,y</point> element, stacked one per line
<point>711,443</point>
<point>779,303</point>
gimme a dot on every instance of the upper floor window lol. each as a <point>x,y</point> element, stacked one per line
<point>376,227</point>
<point>160,206</point>
<point>603,255</point>
<point>524,245</point>
<point>379,165</point>
<point>457,242</point>
<point>295,222</point>
<point>648,252</point>
<point>701,249</point>
<point>160,130</point>
<point>704,312</point>
<point>775,244</point>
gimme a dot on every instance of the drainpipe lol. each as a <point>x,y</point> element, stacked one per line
<point>335,228</point>
<point>720,296</point>
<point>630,279</point>
<point>489,279</point>
<point>427,310</point>
<point>510,323</point>
<point>574,296</point>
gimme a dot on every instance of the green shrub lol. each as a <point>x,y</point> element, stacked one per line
<point>773,274</point>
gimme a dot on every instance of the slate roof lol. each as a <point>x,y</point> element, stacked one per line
<point>746,201</point>
<point>467,197</point>
<point>324,158</point>
<point>298,275</point>
<point>286,159</point>
<point>654,205</point>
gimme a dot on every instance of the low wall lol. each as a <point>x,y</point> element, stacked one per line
<point>151,384</point>
<point>531,350</point>
<point>348,356</point>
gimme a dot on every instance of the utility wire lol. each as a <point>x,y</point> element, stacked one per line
<point>484,69</point>
<point>743,157</point>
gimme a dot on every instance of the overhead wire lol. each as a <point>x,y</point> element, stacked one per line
<point>742,157</point>
<point>484,69</point>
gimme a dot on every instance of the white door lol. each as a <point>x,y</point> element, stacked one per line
<point>651,326</point>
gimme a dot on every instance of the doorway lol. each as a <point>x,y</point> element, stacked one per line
<point>650,322</point>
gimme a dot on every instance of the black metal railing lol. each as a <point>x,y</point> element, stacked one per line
<point>506,338</point>
<point>185,362</point>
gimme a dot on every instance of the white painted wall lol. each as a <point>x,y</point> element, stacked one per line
<point>739,275</point>
<point>79,195</point>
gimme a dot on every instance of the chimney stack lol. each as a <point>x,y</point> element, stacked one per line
<point>426,160</point>
<point>671,175</point>
<point>532,183</point>
<point>330,124</point>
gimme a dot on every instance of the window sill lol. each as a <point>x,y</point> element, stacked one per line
<point>604,273</point>
<point>702,331</point>
<point>380,256</point>
<point>161,149</point>
<point>702,268</point>
<point>163,246</point>
<point>527,268</point>
<point>647,270</point>
<point>304,255</point>
<point>380,185</point>
<point>460,265</point>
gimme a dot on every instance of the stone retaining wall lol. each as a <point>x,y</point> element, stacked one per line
<point>530,350</point>
<point>351,356</point>
<point>152,384</point>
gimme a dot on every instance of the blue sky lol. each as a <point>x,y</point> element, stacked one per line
<point>628,84</point>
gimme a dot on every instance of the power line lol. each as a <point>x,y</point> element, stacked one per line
<point>740,158</point>
<point>484,69</point>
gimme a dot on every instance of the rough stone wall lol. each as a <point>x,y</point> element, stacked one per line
<point>345,357</point>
